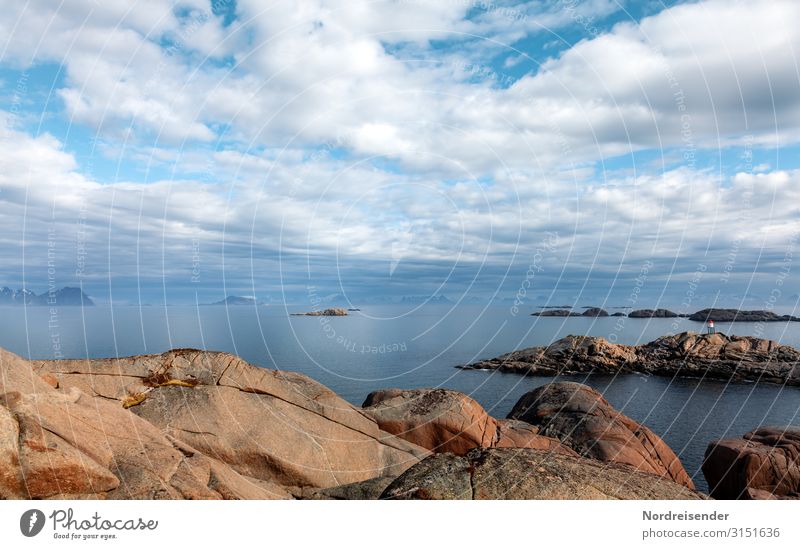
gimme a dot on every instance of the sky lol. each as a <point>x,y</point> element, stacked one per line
<point>588,152</point>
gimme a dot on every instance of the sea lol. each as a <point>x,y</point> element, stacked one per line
<point>413,346</point>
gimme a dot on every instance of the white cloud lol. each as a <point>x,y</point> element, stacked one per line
<point>343,131</point>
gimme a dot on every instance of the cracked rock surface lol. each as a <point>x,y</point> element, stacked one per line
<point>763,464</point>
<point>510,473</point>
<point>209,425</point>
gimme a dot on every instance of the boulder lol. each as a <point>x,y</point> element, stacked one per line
<point>513,433</point>
<point>583,420</point>
<point>441,420</point>
<point>594,311</point>
<point>502,473</point>
<point>437,419</point>
<point>763,464</point>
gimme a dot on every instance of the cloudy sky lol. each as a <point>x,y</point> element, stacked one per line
<point>567,151</point>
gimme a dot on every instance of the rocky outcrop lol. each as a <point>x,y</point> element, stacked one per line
<point>652,313</point>
<point>334,311</point>
<point>763,464</point>
<point>555,312</point>
<point>594,311</point>
<point>735,315</point>
<point>65,443</point>
<point>448,421</point>
<point>572,354</point>
<point>583,420</point>
<point>489,474</point>
<point>436,419</point>
<point>590,311</point>
<point>198,425</point>
<point>713,356</point>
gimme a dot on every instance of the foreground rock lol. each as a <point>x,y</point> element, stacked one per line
<point>197,425</point>
<point>528,474</point>
<point>448,421</point>
<point>735,315</point>
<point>652,313</point>
<point>582,419</point>
<point>67,444</point>
<point>713,356</point>
<point>189,424</point>
<point>763,464</point>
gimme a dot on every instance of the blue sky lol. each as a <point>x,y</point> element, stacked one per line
<point>173,151</point>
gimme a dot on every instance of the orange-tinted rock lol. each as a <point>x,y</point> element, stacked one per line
<point>448,421</point>
<point>513,433</point>
<point>276,428</point>
<point>582,419</point>
<point>501,473</point>
<point>711,356</point>
<point>51,380</point>
<point>764,464</point>
<point>437,419</point>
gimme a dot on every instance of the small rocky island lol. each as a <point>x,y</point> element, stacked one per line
<point>590,311</point>
<point>66,432</point>
<point>333,311</point>
<point>712,356</point>
<point>717,315</point>
<point>652,313</point>
<point>735,315</point>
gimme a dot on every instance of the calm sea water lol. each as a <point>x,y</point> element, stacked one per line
<point>410,347</point>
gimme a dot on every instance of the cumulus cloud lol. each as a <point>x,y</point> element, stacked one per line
<point>382,141</point>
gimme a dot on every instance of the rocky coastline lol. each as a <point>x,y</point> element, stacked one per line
<point>189,424</point>
<point>710,356</point>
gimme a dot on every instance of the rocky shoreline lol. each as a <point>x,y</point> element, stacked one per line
<point>189,424</point>
<point>710,356</point>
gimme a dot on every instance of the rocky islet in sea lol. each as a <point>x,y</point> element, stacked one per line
<point>712,356</point>
<point>704,315</point>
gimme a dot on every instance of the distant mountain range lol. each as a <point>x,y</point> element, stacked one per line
<point>63,297</point>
